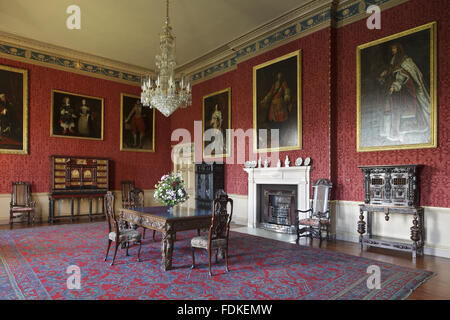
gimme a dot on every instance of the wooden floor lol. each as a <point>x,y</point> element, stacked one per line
<point>436,288</point>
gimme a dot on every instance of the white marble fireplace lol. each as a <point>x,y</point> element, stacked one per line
<point>299,176</point>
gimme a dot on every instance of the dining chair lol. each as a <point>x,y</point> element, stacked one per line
<point>126,187</point>
<point>219,230</point>
<point>137,198</point>
<point>118,232</point>
<point>21,204</point>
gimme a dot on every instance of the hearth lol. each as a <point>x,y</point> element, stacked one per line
<point>298,176</point>
<point>277,204</point>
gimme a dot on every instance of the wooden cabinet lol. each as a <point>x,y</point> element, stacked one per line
<point>74,179</point>
<point>209,177</point>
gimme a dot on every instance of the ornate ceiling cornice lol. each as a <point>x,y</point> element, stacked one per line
<point>48,55</point>
<point>295,24</point>
<point>298,23</point>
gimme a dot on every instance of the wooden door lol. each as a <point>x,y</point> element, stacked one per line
<point>183,161</point>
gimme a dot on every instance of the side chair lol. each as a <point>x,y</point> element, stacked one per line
<point>117,232</point>
<point>21,204</point>
<point>219,230</point>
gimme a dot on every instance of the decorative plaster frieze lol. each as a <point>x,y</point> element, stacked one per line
<point>298,23</point>
<point>35,52</point>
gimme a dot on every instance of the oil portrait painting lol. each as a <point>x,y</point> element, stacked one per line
<point>216,121</point>
<point>277,104</point>
<point>76,116</point>
<point>396,100</point>
<point>13,110</point>
<point>137,125</point>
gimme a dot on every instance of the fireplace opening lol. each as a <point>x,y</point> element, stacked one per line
<point>277,204</point>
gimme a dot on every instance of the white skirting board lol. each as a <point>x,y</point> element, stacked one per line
<point>345,216</point>
<point>41,209</point>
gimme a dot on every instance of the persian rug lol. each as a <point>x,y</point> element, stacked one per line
<point>34,263</point>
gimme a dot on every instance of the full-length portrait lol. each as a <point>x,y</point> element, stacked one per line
<point>137,125</point>
<point>76,116</point>
<point>397,91</point>
<point>216,121</point>
<point>13,110</point>
<point>277,104</point>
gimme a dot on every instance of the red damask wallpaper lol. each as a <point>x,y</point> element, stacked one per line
<point>435,177</point>
<point>144,168</point>
<point>316,105</point>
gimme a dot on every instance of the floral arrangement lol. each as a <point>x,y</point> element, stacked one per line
<point>170,190</point>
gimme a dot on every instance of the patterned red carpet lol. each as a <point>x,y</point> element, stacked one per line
<point>33,265</point>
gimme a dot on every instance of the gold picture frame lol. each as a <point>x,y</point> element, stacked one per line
<point>13,94</point>
<point>82,119</point>
<point>130,141</point>
<point>279,78</point>
<point>216,107</point>
<point>387,117</point>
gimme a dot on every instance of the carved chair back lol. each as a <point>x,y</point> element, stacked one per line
<point>113,220</point>
<point>127,186</point>
<point>321,200</point>
<point>137,197</point>
<point>20,194</point>
<point>221,217</point>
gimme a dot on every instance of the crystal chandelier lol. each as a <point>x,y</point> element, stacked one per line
<point>166,94</point>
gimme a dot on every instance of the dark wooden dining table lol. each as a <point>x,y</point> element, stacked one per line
<point>168,223</point>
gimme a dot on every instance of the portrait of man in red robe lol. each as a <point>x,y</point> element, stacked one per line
<point>396,106</point>
<point>277,104</point>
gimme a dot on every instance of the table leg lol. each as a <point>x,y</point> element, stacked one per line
<point>415,234</point>
<point>422,232</point>
<point>71,210</point>
<point>51,212</point>
<point>361,228</point>
<point>90,209</point>
<point>369,223</point>
<point>166,250</point>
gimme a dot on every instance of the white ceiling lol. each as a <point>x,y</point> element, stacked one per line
<point>128,30</point>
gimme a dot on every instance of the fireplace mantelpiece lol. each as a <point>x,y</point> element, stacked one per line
<point>299,176</point>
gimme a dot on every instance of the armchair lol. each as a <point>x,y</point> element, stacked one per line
<point>317,218</point>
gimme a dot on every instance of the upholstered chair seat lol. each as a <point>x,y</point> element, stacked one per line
<point>202,243</point>
<point>313,222</point>
<point>17,209</point>
<point>129,235</point>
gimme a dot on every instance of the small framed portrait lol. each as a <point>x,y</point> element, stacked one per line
<point>277,107</point>
<point>396,91</point>
<point>13,110</point>
<point>216,121</point>
<point>137,125</point>
<point>76,116</point>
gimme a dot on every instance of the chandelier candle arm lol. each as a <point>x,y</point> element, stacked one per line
<point>166,93</point>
